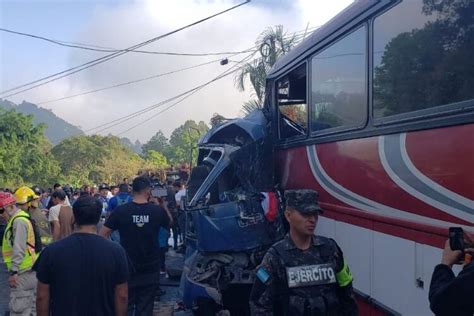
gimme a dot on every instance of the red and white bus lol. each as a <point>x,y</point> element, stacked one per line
<point>375,111</point>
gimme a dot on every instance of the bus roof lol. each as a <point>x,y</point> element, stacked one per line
<point>300,51</point>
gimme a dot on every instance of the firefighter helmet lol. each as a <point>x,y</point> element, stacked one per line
<point>24,195</point>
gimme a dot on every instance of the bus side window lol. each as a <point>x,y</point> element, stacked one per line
<point>426,61</point>
<point>338,87</point>
<point>292,104</point>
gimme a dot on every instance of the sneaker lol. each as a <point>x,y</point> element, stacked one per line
<point>162,271</point>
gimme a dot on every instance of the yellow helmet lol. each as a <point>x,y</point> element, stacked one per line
<point>24,195</point>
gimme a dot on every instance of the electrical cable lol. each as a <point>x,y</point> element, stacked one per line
<point>144,79</point>
<point>114,50</point>
<point>174,104</point>
<point>103,59</point>
<point>121,120</point>
<point>130,82</point>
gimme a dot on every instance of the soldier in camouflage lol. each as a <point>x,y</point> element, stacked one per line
<point>303,274</point>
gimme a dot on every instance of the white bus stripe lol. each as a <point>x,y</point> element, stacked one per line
<point>439,188</point>
<point>375,207</point>
<point>414,192</point>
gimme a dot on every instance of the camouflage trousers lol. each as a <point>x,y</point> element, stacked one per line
<point>22,297</point>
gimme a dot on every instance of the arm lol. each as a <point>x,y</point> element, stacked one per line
<point>177,198</point>
<point>111,207</point>
<point>20,235</point>
<point>109,225</point>
<point>345,291</point>
<point>42,299</point>
<point>264,292</point>
<point>105,232</point>
<point>53,218</point>
<point>56,230</point>
<point>121,299</point>
<point>448,292</point>
<point>170,217</point>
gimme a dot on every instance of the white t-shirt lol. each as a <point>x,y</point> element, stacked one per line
<point>54,212</point>
<point>179,195</point>
<point>66,201</point>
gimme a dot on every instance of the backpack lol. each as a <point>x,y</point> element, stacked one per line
<point>121,201</point>
<point>38,246</point>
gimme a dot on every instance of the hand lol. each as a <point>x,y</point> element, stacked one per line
<point>12,280</point>
<point>469,240</point>
<point>450,257</point>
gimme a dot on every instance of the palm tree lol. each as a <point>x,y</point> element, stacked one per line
<point>273,43</point>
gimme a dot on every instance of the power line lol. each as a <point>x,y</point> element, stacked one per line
<point>296,35</point>
<point>103,59</point>
<point>125,118</point>
<point>114,50</point>
<point>121,120</point>
<point>189,94</point>
<point>176,103</point>
<point>130,82</point>
<point>130,116</point>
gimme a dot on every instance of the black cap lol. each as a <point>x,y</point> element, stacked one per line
<point>103,186</point>
<point>304,201</point>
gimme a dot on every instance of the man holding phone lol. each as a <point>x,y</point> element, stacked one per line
<point>450,294</point>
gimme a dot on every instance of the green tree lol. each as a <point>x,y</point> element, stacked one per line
<point>273,43</point>
<point>429,65</point>
<point>96,158</point>
<point>183,141</point>
<point>24,151</point>
<point>79,158</point>
<point>158,143</point>
<point>156,160</point>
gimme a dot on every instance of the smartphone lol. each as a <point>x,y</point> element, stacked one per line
<point>456,238</point>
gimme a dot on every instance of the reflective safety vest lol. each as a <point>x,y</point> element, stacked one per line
<point>7,245</point>
<point>46,240</point>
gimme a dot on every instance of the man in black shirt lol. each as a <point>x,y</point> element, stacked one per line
<point>82,274</point>
<point>138,223</point>
<point>451,294</point>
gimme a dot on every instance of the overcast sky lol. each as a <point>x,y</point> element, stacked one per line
<point>121,24</point>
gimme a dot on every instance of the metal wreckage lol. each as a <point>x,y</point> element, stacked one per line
<point>233,215</point>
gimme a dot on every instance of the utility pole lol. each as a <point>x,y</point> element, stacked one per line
<point>191,145</point>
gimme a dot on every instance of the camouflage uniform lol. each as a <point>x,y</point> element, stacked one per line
<point>315,281</point>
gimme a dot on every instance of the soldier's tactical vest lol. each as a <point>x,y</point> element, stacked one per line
<point>310,285</point>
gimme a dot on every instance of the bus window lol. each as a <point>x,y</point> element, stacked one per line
<point>338,86</point>
<point>426,60</point>
<point>292,105</point>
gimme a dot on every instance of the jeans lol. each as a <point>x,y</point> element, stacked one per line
<point>142,290</point>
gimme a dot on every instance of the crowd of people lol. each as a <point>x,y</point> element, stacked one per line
<point>119,274</point>
<point>106,251</point>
